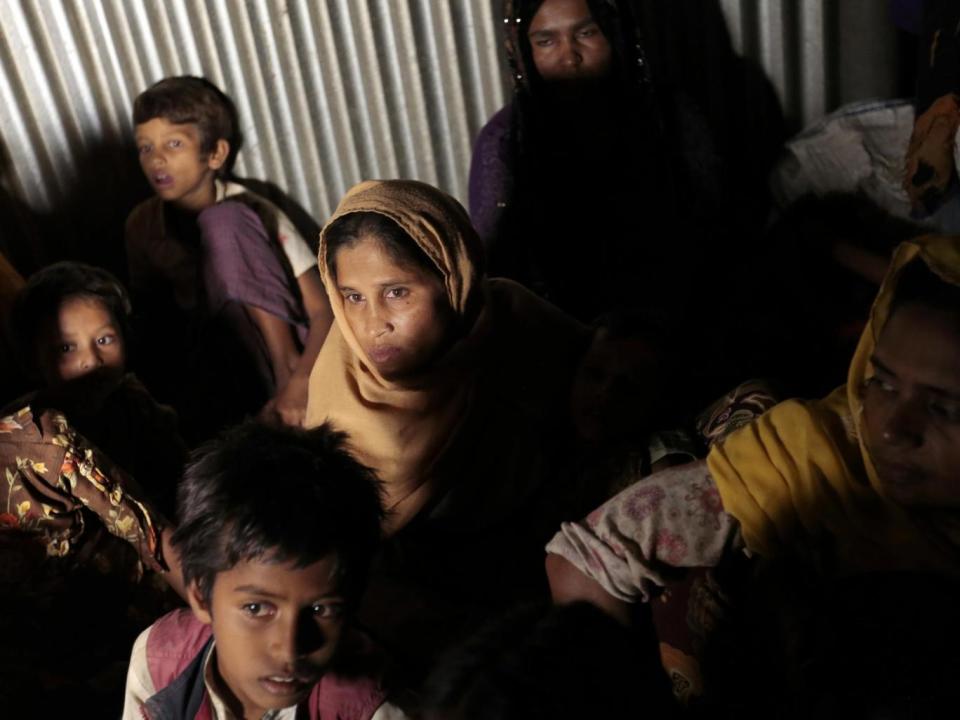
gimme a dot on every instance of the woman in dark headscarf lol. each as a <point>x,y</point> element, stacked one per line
<point>570,182</point>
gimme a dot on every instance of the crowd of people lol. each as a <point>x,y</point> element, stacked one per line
<point>538,459</point>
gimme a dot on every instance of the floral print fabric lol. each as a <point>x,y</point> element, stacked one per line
<point>672,519</point>
<point>54,484</point>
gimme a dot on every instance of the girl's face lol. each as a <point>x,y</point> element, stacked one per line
<point>911,407</point>
<point>81,339</point>
<point>399,314</point>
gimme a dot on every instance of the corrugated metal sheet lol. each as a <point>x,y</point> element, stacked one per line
<point>329,91</point>
<point>818,54</point>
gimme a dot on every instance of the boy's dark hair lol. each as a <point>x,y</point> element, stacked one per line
<point>277,494</point>
<point>347,231</point>
<point>919,284</point>
<point>560,662</point>
<point>190,99</point>
<point>47,289</point>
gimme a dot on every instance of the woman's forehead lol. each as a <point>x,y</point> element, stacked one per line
<point>921,343</point>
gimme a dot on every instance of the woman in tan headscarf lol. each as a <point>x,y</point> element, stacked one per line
<point>449,384</point>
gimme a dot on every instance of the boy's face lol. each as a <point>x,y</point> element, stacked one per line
<point>276,628</point>
<point>177,169</point>
<point>83,338</point>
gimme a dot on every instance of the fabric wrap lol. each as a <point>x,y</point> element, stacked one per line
<point>473,417</point>
<point>804,468</point>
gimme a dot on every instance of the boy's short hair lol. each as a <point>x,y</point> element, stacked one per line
<point>277,494</point>
<point>47,289</point>
<point>189,99</point>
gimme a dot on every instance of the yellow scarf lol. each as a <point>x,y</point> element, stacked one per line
<point>802,476</point>
<point>471,419</point>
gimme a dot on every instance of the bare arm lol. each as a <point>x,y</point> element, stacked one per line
<point>569,585</point>
<point>278,336</point>
<point>291,400</point>
<point>671,519</point>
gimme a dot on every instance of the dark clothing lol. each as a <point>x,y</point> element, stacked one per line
<point>192,278</point>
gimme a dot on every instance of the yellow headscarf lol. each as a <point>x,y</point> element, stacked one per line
<point>470,421</point>
<point>802,476</point>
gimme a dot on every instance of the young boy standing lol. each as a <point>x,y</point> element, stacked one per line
<point>278,528</point>
<point>217,268</point>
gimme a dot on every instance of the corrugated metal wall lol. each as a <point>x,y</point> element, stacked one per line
<point>333,91</point>
<point>818,54</point>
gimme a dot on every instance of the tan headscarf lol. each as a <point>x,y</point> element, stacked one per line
<point>802,473</point>
<point>473,421</point>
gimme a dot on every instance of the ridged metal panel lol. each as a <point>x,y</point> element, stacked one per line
<point>818,54</point>
<point>329,91</point>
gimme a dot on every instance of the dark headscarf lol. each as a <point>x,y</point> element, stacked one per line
<point>590,175</point>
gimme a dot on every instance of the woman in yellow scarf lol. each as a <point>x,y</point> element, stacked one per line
<point>866,479</point>
<point>448,383</point>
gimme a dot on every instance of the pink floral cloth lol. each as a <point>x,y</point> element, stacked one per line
<point>672,519</point>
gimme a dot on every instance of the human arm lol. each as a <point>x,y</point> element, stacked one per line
<point>279,342</point>
<point>673,519</point>
<point>290,402</point>
<point>490,181</point>
<point>242,265</point>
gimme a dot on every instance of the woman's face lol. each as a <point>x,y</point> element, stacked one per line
<point>912,407</point>
<point>399,314</point>
<point>567,44</point>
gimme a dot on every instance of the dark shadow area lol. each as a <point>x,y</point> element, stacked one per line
<point>798,645</point>
<point>86,224</point>
<point>689,48</point>
<point>798,312</point>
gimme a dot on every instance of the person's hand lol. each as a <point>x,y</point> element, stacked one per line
<point>290,403</point>
<point>929,164</point>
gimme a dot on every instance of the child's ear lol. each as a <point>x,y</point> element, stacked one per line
<point>198,603</point>
<point>219,155</point>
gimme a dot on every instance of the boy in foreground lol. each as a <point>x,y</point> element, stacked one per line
<point>278,528</point>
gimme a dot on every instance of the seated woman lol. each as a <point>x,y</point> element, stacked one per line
<point>444,379</point>
<point>592,154</point>
<point>453,388</point>
<point>863,480</point>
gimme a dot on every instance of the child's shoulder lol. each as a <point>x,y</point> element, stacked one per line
<point>172,643</point>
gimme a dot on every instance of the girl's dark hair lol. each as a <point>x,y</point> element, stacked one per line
<point>347,231</point>
<point>39,301</point>
<point>919,284</point>
<point>189,99</point>
<point>277,494</point>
